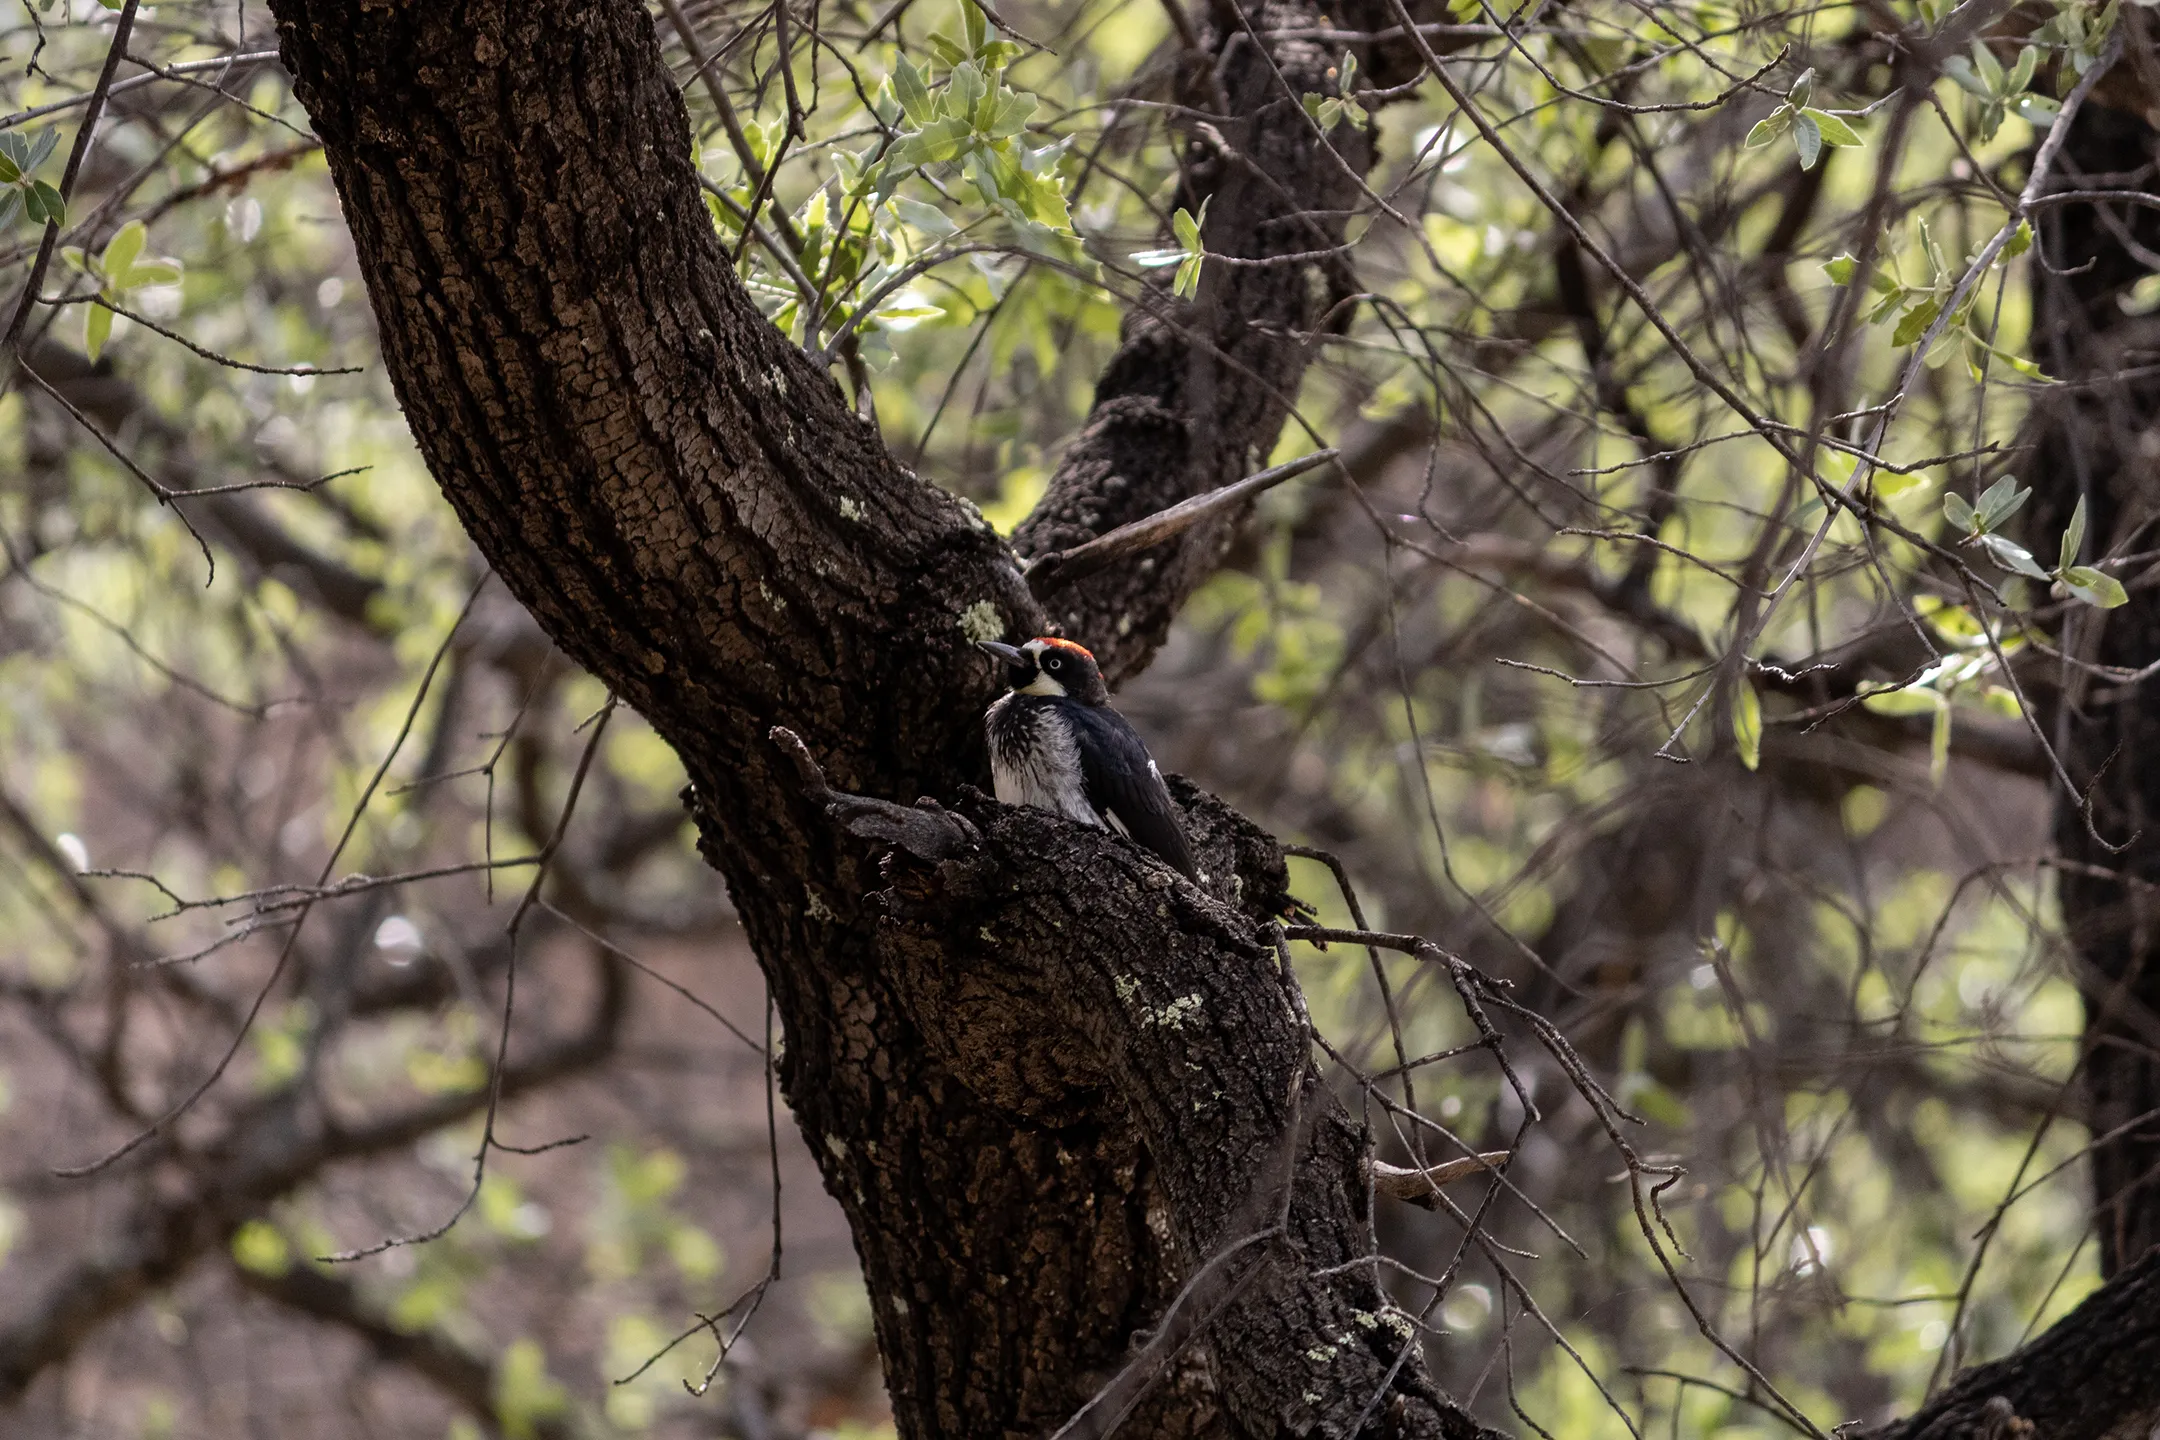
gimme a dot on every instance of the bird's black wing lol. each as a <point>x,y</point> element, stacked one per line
<point>1124,785</point>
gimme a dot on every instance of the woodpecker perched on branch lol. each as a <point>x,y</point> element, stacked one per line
<point>1056,744</point>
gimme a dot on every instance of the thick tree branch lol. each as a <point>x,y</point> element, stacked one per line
<point>691,510</point>
<point>2095,1375</point>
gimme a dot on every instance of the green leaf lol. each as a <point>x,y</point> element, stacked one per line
<point>1841,269</point>
<point>1747,724</point>
<point>121,251</point>
<point>1959,69</point>
<point>257,1246</point>
<point>1010,115</point>
<point>40,148</point>
<point>2094,587</point>
<point>10,171</point>
<point>55,207</point>
<point>886,103</point>
<point>525,1395</point>
<point>10,207</point>
<point>1833,128</point>
<point>1156,259</point>
<point>97,329</point>
<point>1770,127</point>
<point>2074,537</point>
<point>17,150</point>
<point>1905,700</point>
<point>2020,240</point>
<point>2000,501</point>
<point>1957,511</point>
<point>924,217</point>
<point>913,94</point>
<point>1803,89</point>
<point>2003,702</point>
<point>965,89</point>
<point>2013,556</point>
<point>936,143</point>
<point>2021,73</point>
<point>1915,323</point>
<point>2038,111</point>
<point>1187,283</point>
<point>1186,226</point>
<point>147,273</point>
<point>974,25</point>
<point>1987,67</point>
<point>1892,301</point>
<point>1807,138</point>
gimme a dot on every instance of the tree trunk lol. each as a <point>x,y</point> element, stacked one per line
<point>1066,1099</point>
<point>979,1051</point>
<point>2096,440</point>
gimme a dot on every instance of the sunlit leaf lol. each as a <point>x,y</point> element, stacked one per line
<point>258,1247</point>
<point>2073,536</point>
<point>1768,129</point>
<point>1833,129</point>
<point>2094,587</point>
<point>1747,724</point>
<point>912,93</point>
<point>1916,322</point>
<point>1187,283</point>
<point>122,250</point>
<point>2012,556</point>
<point>1905,701</point>
<point>97,329</point>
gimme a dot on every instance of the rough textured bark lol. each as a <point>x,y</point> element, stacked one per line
<point>2094,1376</point>
<point>2096,439</point>
<point>691,510</point>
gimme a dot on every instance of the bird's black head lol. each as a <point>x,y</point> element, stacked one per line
<point>1047,666</point>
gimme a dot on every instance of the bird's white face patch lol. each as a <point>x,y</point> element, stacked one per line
<point>1044,682</point>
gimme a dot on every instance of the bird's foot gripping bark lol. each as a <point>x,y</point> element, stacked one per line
<point>1072,981</point>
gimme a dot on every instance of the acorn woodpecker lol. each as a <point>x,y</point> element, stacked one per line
<point>1056,744</point>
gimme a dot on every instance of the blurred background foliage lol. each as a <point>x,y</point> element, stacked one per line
<point>1813,947</point>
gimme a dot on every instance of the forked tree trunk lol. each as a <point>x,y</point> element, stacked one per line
<point>1049,1084</point>
<point>1044,1102</point>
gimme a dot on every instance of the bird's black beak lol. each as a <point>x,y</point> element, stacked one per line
<point>1019,665</point>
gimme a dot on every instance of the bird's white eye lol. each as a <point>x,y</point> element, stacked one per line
<point>1052,663</point>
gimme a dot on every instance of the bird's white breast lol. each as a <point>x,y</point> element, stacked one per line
<point>1034,760</point>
